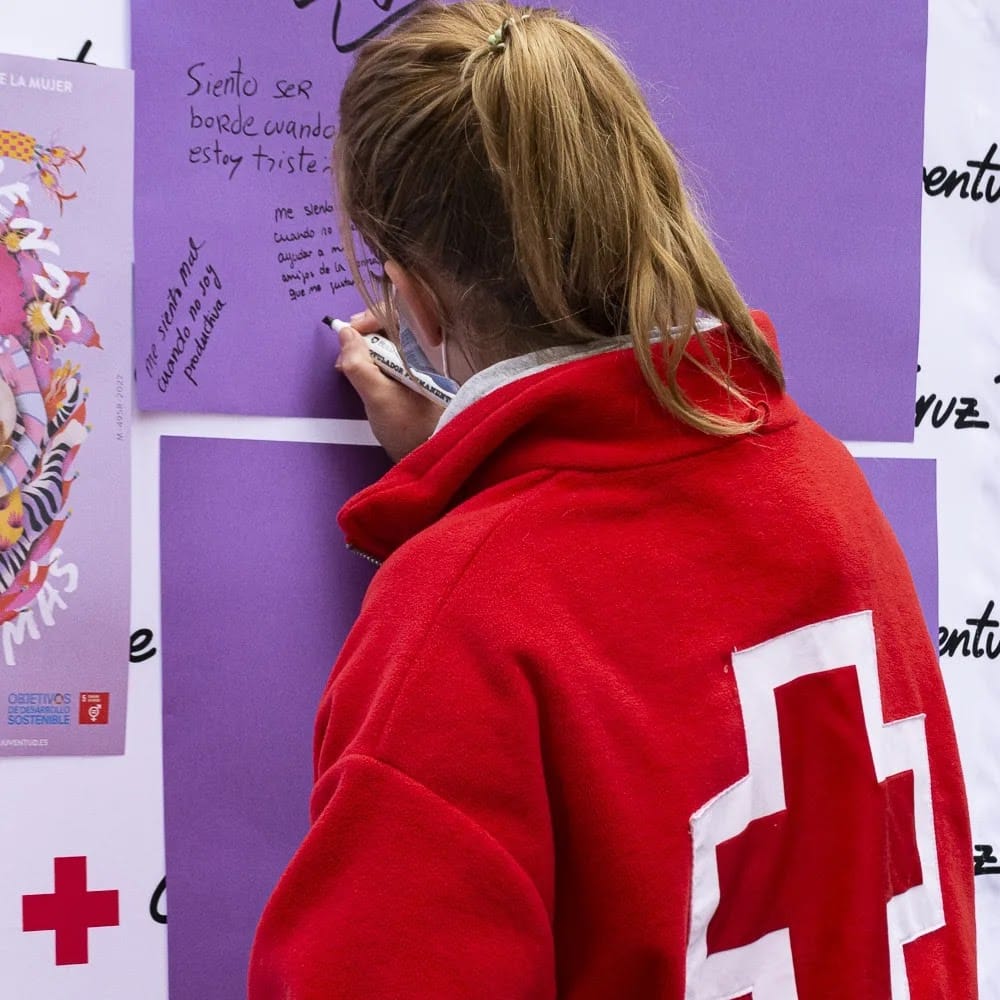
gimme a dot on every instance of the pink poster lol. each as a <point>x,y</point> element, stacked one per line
<point>65,404</point>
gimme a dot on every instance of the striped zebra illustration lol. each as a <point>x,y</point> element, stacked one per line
<point>27,437</point>
<point>74,396</point>
<point>42,500</point>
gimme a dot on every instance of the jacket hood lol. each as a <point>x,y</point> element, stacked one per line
<point>595,413</point>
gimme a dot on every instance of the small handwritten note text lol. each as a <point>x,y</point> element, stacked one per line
<point>237,128</point>
<point>309,255</point>
<point>194,304</point>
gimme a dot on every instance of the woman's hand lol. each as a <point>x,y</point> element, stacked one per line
<point>400,418</point>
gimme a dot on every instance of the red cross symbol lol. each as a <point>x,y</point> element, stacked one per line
<point>811,872</point>
<point>70,911</point>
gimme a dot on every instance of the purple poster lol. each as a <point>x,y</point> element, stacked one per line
<point>259,591</point>
<point>65,405</point>
<point>801,127</point>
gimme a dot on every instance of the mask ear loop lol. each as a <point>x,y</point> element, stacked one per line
<point>444,354</point>
<point>399,334</point>
<point>391,317</point>
<point>397,320</point>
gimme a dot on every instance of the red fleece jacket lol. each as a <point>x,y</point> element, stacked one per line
<point>629,712</point>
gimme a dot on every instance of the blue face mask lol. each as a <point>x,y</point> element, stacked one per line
<point>416,358</point>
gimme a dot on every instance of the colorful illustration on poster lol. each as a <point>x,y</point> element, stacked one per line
<point>43,406</point>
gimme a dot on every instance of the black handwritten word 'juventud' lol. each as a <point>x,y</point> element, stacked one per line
<point>384,16</point>
<point>980,639</point>
<point>980,181</point>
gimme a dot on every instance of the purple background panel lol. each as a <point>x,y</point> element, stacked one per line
<point>259,592</point>
<point>73,637</point>
<point>801,126</point>
<point>906,489</point>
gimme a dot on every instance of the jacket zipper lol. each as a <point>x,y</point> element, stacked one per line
<point>364,555</point>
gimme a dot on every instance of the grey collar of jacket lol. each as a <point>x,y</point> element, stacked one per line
<point>511,369</point>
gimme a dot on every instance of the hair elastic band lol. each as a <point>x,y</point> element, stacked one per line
<point>498,40</point>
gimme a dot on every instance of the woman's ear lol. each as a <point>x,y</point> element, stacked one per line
<point>417,305</point>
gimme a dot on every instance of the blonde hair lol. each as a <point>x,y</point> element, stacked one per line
<point>507,158</point>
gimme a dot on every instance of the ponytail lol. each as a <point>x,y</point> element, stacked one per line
<point>509,150</point>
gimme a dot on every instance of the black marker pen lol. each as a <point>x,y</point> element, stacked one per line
<point>385,355</point>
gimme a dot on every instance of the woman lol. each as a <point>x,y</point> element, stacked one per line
<point>640,703</point>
